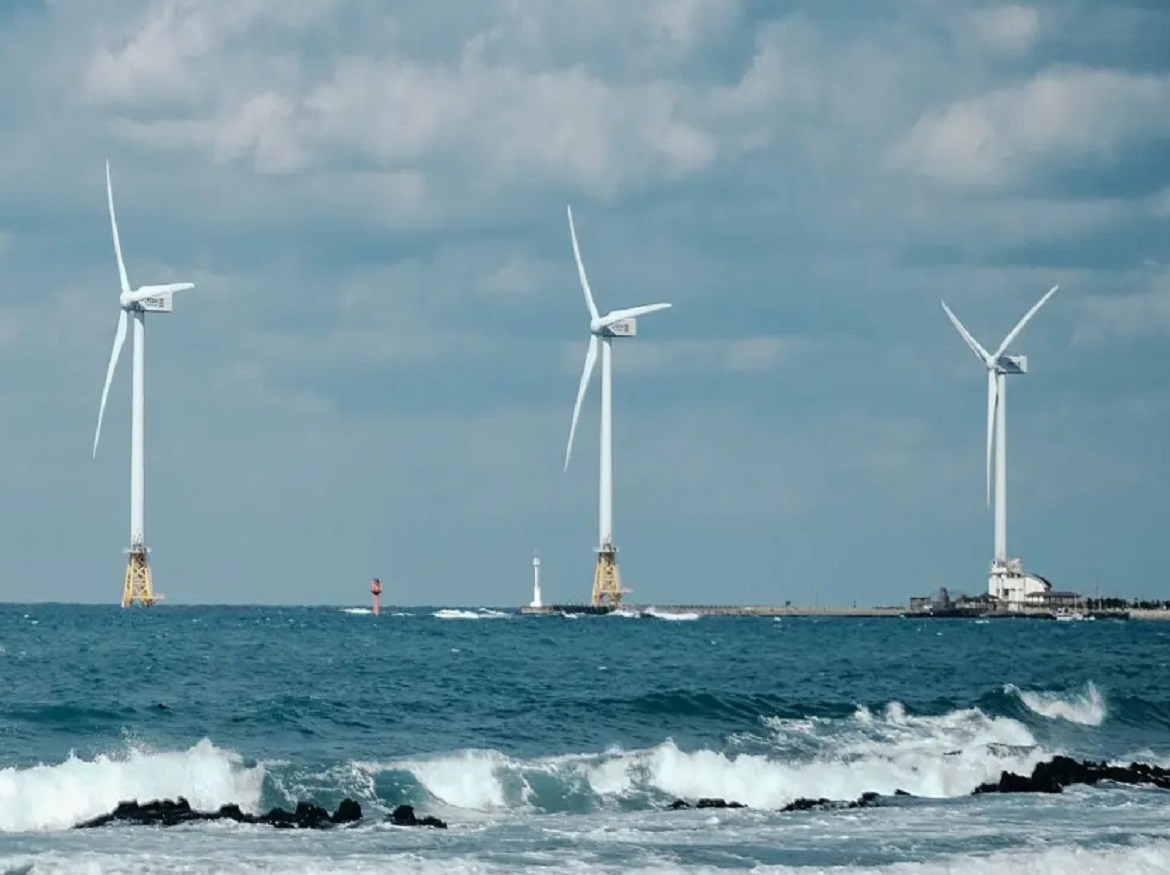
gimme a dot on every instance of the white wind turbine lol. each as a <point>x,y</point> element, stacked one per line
<point>136,303</point>
<point>616,323</point>
<point>999,365</point>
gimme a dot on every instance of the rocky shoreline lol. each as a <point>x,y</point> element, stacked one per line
<point>1050,776</point>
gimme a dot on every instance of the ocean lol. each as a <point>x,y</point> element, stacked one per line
<point>555,744</point>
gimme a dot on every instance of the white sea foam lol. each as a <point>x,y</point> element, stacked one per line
<point>458,614</point>
<point>356,611</point>
<point>1152,858</point>
<point>940,756</point>
<point>1086,708</point>
<point>49,797</point>
<point>671,615</point>
<point>470,779</point>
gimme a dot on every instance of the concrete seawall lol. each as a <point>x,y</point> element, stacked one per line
<point>794,611</point>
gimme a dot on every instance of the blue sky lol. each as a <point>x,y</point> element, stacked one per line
<point>376,371</point>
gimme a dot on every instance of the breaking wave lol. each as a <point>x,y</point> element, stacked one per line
<point>459,614</point>
<point>676,616</point>
<point>51,797</point>
<point>1086,708</point>
<point>941,756</point>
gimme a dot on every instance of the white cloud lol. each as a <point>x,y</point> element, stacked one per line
<point>741,355</point>
<point>1159,204</point>
<point>1107,317</point>
<point>487,114</point>
<point>175,48</point>
<point>1006,28</point>
<point>1063,113</point>
<point>686,23</point>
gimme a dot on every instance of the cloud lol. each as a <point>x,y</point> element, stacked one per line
<point>1159,204</point>
<point>1009,28</point>
<point>1064,114</point>
<point>1128,314</point>
<point>740,355</point>
<point>502,123</point>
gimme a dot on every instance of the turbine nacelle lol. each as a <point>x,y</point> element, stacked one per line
<point>152,299</point>
<point>607,326</point>
<point>1012,364</point>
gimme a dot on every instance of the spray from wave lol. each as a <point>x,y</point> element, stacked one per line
<point>458,614</point>
<point>941,757</point>
<point>51,797</point>
<point>1147,858</point>
<point>1086,708</point>
<point>676,616</point>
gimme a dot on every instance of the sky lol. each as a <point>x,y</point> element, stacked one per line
<point>375,373</point>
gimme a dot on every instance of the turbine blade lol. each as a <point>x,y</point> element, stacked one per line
<point>630,312</point>
<point>114,226</point>
<point>144,292</point>
<point>581,268</point>
<point>1014,333</point>
<point>966,335</point>
<point>119,339</point>
<point>586,373</point>
<point>992,409</point>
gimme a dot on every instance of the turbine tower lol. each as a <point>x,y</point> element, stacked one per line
<point>607,588</point>
<point>135,303</point>
<point>1007,582</point>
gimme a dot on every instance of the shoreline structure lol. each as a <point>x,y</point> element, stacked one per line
<point>879,611</point>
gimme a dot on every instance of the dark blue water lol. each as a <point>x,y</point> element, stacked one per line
<point>513,726</point>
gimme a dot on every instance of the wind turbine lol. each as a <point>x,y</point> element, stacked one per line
<point>616,323</point>
<point>135,303</point>
<point>1007,580</point>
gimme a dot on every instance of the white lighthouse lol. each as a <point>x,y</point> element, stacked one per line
<point>535,582</point>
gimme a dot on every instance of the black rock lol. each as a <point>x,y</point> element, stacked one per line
<point>347,812</point>
<point>718,803</point>
<point>1059,772</point>
<point>165,812</point>
<point>705,802</point>
<point>803,804</point>
<point>404,815</point>
<point>866,800</point>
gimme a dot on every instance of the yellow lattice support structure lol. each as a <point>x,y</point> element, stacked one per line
<point>607,583</point>
<point>138,588</point>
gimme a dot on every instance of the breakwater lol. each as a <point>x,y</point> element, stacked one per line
<point>798,611</point>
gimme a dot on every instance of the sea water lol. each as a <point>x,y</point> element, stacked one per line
<point>554,743</point>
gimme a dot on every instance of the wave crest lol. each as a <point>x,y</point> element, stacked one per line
<point>941,756</point>
<point>1086,708</point>
<point>51,797</point>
